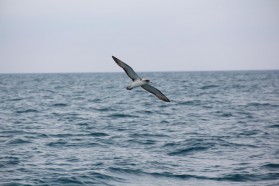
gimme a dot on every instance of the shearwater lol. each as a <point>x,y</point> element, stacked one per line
<point>137,81</point>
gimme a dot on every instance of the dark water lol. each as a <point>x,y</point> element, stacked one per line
<point>221,128</point>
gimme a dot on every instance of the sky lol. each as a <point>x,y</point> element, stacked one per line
<point>150,35</point>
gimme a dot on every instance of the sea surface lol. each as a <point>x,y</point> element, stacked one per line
<point>220,128</point>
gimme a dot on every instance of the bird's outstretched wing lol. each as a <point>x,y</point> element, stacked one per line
<point>129,71</point>
<point>156,92</point>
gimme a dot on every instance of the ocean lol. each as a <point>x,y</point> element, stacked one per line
<point>220,128</point>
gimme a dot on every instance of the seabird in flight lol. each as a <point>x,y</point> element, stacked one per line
<point>137,81</point>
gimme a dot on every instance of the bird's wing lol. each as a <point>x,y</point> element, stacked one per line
<point>129,71</point>
<point>156,92</point>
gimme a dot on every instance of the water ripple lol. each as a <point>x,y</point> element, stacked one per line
<point>221,128</point>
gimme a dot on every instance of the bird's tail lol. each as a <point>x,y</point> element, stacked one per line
<point>129,88</point>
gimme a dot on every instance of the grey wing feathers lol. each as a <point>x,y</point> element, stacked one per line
<point>129,71</point>
<point>156,92</point>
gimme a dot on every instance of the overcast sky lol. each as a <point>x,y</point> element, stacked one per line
<point>149,35</point>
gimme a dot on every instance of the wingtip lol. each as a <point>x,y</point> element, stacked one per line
<point>167,100</point>
<point>116,59</point>
<point>113,57</point>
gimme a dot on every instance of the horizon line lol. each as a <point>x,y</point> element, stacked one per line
<point>84,72</point>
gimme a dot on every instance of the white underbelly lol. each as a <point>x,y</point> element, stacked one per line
<point>137,83</point>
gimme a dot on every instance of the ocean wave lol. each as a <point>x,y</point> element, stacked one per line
<point>224,114</point>
<point>191,103</point>
<point>27,111</point>
<point>262,105</point>
<point>18,141</point>
<point>57,143</point>
<point>122,116</point>
<point>68,180</point>
<point>209,87</point>
<point>83,124</point>
<point>139,172</point>
<point>16,99</point>
<point>8,161</point>
<point>248,177</point>
<point>62,135</point>
<point>98,134</point>
<point>274,126</point>
<point>97,100</point>
<point>142,141</point>
<point>85,134</point>
<point>145,112</point>
<point>271,166</point>
<point>59,105</point>
<point>103,176</point>
<point>227,177</point>
<point>187,151</point>
<point>145,135</point>
<point>104,109</point>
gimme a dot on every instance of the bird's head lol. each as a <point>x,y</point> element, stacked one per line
<point>146,80</point>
